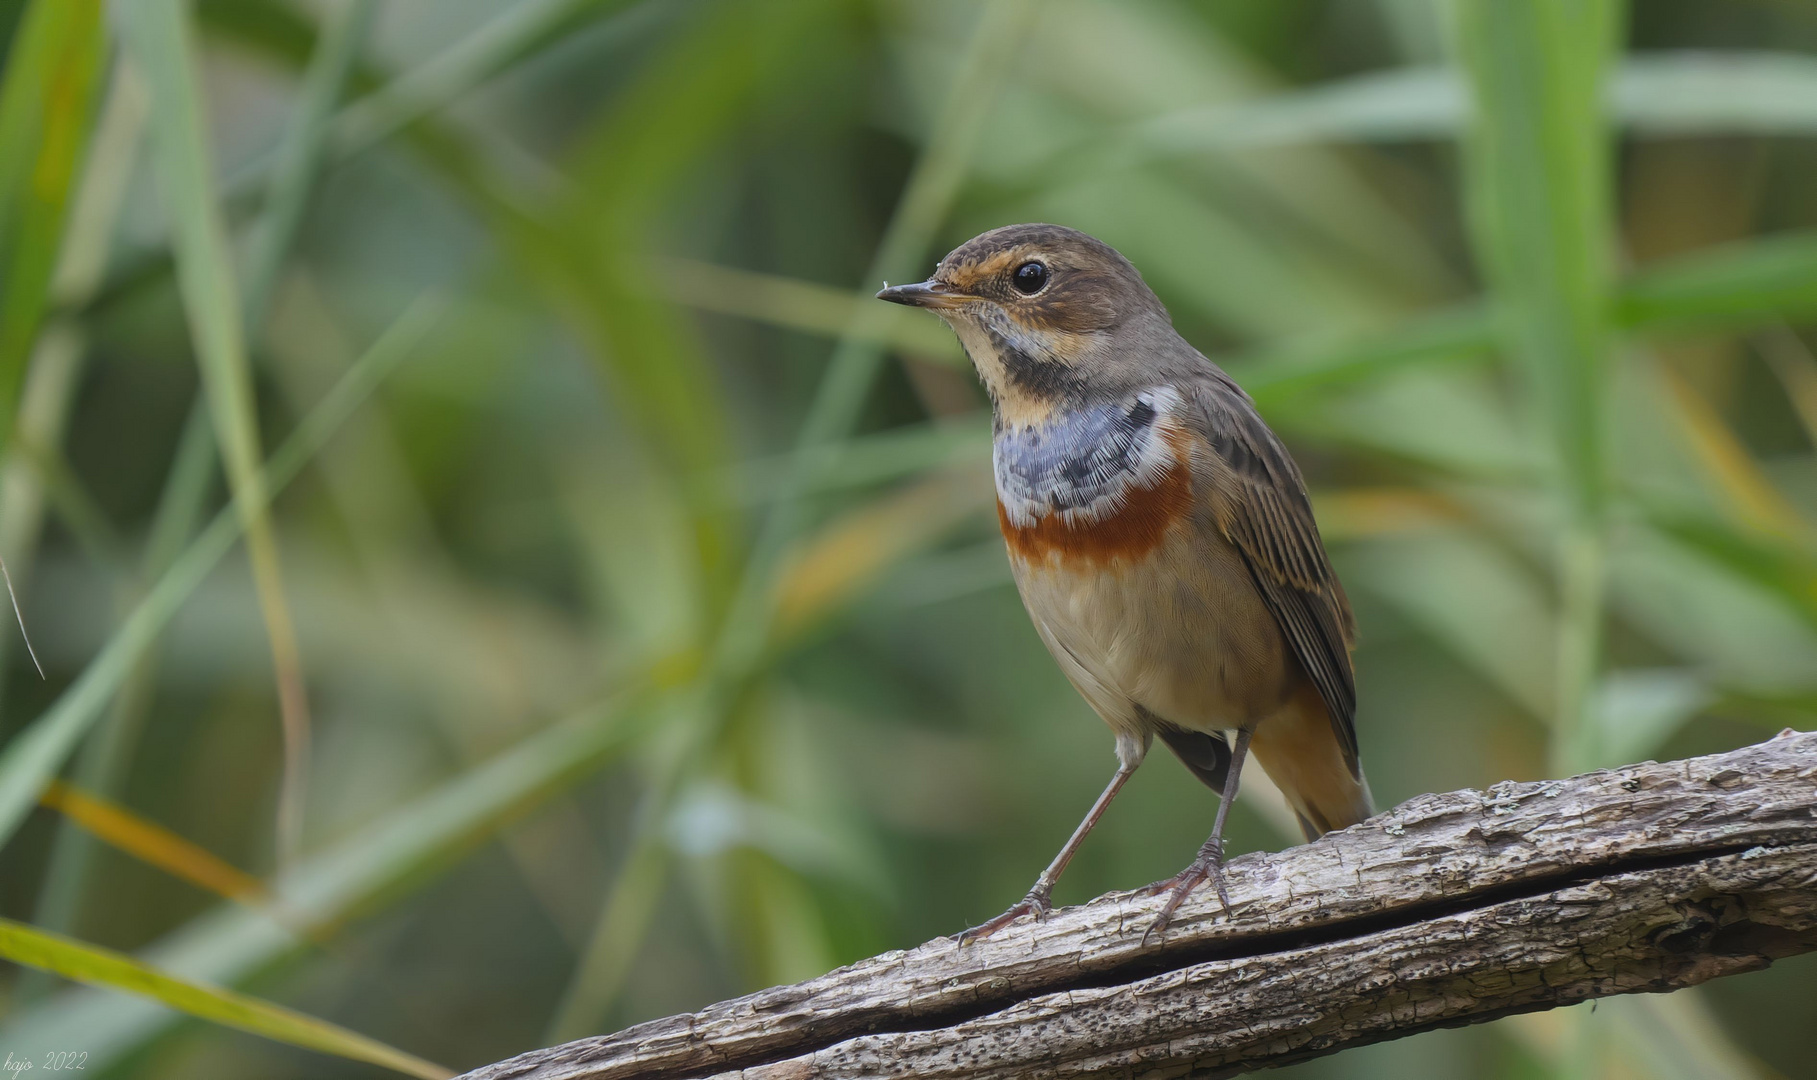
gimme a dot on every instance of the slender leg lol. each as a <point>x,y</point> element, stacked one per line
<point>1209,863</point>
<point>1037,902</point>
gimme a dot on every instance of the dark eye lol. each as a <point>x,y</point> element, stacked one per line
<point>1030,276</point>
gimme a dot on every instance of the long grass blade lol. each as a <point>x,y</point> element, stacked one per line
<point>1539,201</point>
<point>1539,192</point>
<point>1710,92</point>
<point>1792,363</point>
<point>46,101</point>
<point>1649,95</point>
<point>158,34</point>
<point>852,551</point>
<point>875,459</point>
<point>1733,473</point>
<point>153,844</point>
<point>1737,286</point>
<point>299,156</point>
<point>1783,571</point>
<point>1380,106</point>
<point>32,758</point>
<point>1276,374</point>
<point>85,963</point>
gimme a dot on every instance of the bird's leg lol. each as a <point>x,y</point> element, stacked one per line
<point>1209,863</point>
<point>1038,901</point>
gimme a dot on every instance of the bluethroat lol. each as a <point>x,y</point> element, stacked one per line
<point>1159,534</point>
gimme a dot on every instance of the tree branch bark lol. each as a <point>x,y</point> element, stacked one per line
<point>1447,910</point>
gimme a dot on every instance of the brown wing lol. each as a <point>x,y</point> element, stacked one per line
<point>1261,507</point>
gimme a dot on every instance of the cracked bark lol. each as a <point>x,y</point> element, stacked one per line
<point>1447,910</point>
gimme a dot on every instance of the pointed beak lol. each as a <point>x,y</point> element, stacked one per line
<point>927,294</point>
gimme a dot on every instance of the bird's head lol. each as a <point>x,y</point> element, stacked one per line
<point>1050,316</point>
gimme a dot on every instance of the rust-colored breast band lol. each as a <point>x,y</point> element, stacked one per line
<point>1133,531</point>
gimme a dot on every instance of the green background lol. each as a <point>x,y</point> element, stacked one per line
<point>656,638</point>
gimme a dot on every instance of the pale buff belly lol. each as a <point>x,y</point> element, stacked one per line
<point>1180,632</point>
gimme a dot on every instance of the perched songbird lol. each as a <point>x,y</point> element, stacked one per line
<point>1159,533</point>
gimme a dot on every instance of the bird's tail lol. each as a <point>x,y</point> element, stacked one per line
<point>1301,754</point>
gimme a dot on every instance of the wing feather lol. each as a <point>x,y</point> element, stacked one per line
<point>1260,506</point>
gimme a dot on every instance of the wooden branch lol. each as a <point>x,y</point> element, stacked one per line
<point>1447,910</point>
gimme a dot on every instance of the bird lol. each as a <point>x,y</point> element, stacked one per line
<point>1160,536</point>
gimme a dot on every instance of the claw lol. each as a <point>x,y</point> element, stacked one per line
<point>1208,864</point>
<point>1036,903</point>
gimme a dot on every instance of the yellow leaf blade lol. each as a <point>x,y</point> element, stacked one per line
<point>1731,469</point>
<point>85,963</point>
<point>154,844</point>
<point>853,551</point>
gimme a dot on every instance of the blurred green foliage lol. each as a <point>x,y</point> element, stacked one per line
<point>656,638</point>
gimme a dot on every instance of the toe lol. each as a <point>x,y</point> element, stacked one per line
<point>980,932</point>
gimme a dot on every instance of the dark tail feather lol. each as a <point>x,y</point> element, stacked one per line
<point>1208,756</point>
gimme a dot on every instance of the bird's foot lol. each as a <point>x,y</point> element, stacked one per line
<point>1036,903</point>
<point>1209,863</point>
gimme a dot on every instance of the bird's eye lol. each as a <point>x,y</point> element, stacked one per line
<point>1030,276</point>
